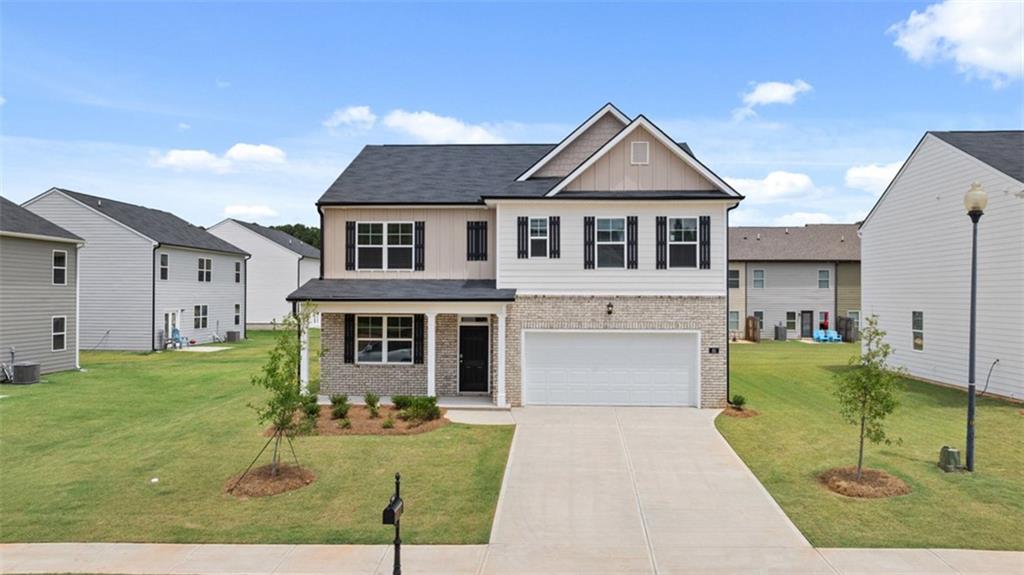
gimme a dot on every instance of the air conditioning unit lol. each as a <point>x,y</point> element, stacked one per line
<point>26,372</point>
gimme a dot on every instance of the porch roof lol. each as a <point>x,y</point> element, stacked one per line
<point>401,290</point>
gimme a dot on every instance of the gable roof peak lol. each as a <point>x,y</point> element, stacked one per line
<point>607,109</point>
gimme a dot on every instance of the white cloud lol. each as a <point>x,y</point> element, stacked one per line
<point>433,129</point>
<point>255,153</point>
<point>801,218</point>
<point>766,93</point>
<point>777,186</point>
<point>360,117</point>
<point>249,211</point>
<point>985,39</point>
<point>872,178</point>
<point>182,126</point>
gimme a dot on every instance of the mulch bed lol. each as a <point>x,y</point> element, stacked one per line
<point>741,413</point>
<point>873,484</point>
<point>362,424</point>
<point>259,483</point>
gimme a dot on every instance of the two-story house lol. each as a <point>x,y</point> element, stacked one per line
<point>793,276</point>
<point>145,272</point>
<point>592,271</point>
<point>38,290</point>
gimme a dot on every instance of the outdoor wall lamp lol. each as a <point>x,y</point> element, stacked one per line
<point>975,201</point>
<point>611,308</point>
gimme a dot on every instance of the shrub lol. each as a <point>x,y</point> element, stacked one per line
<point>738,401</point>
<point>339,399</point>
<point>402,401</point>
<point>388,423</point>
<point>340,410</point>
<point>374,411</point>
<point>372,404</point>
<point>310,406</point>
<point>421,409</point>
<point>345,423</point>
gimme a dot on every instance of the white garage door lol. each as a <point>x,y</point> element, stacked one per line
<point>609,368</point>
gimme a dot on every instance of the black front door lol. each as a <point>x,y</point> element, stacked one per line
<point>473,358</point>
<point>806,323</point>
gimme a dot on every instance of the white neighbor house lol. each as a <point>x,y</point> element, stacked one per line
<point>916,261</point>
<point>280,264</point>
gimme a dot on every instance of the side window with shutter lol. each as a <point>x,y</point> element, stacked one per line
<point>476,241</point>
<point>554,237</point>
<point>588,242</point>
<point>522,237</point>
<point>350,246</point>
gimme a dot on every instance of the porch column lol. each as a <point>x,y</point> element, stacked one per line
<point>304,359</point>
<point>501,359</point>
<point>431,354</point>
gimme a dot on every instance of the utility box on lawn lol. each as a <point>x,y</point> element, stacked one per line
<point>949,459</point>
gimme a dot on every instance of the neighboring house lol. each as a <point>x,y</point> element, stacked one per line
<point>279,265</point>
<point>145,272</point>
<point>38,290</point>
<point>586,272</point>
<point>793,276</point>
<point>917,261</point>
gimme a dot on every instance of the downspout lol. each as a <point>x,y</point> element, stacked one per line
<point>245,297</point>
<point>78,307</point>
<point>320,211</point>
<point>152,315</point>
<point>728,352</point>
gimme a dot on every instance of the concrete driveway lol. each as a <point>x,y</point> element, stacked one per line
<point>636,490</point>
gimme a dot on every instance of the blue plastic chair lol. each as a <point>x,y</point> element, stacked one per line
<point>176,338</point>
<point>819,335</point>
<point>833,335</point>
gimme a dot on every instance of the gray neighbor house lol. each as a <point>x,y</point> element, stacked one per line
<point>38,290</point>
<point>793,276</point>
<point>145,272</point>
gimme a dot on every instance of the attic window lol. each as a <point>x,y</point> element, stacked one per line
<point>639,153</point>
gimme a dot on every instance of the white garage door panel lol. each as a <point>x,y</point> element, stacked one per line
<point>609,368</point>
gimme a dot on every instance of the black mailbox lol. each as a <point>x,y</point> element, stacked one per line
<point>393,512</point>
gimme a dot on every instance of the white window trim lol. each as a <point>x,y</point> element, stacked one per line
<point>856,311</point>
<point>54,267</point>
<point>753,279</point>
<point>238,272</point>
<point>668,231</point>
<point>796,321</point>
<point>56,333</point>
<point>547,236</point>
<point>598,243</point>
<point>913,331</point>
<point>760,320</point>
<point>828,278</point>
<point>739,278</point>
<point>238,314</point>
<point>384,247</point>
<point>821,317</point>
<point>633,147</point>
<point>166,267</point>
<point>384,339</point>
<point>737,327</point>
<point>208,269</point>
<point>201,316</point>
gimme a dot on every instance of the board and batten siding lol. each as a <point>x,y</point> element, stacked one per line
<point>916,256</point>
<point>29,301</point>
<point>847,287</point>
<point>614,172</point>
<point>790,286</point>
<point>182,291</point>
<point>738,298</point>
<point>581,148</point>
<point>565,275</point>
<point>444,242</point>
<point>115,288</point>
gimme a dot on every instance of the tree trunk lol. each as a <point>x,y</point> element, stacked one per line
<point>274,460</point>
<point>860,456</point>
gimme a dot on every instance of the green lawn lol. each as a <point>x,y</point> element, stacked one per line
<point>799,434</point>
<point>77,453</point>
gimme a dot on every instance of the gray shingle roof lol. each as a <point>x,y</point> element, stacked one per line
<point>163,227</point>
<point>282,239</point>
<point>401,290</point>
<point>1003,150</point>
<point>813,242</point>
<point>18,220</point>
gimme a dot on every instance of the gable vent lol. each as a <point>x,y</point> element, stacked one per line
<point>639,153</point>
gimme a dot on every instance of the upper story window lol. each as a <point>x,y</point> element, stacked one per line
<point>205,269</point>
<point>917,329</point>
<point>238,272</point>
<point>611,242</point>
<point>384,246</point>
<point>165,267</point>
<point>734,278</point>
<point>758,281</point>
<point>824,279</point>
<point>538,237</point>
<point>682,242</point>
<point>384,339</point>
<point>60,268</point>
<point>640,153</point>
<point>476,241</point>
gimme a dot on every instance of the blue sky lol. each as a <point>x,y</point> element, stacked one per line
<point>252,110</point>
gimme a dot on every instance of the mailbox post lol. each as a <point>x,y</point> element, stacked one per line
<point>393,516</point>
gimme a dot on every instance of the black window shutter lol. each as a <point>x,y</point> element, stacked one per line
<point>476,241</point>
<point>523,237</point>
<point>705,242</point>
<point>631,255</point>
<point>554,237</point>
<point>588,242</point>
<point>661,243</point>
<point>417,244</point>
<point>350,246</point>
<point>350,338</point>
<point>417,338</point>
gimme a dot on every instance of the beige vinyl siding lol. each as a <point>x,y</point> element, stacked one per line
<point>116,288</point>
<point>581,148</point>
<point>566,275</point>
<point>790,286</point>
<point>183,290</point>
<point>847,287</point>
<point>444,242</point>
<point>916,256</point>
<point>614,172</point>
<point>738,296</point>
<point>29,300</point>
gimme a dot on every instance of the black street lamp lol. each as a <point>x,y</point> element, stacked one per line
<point>975,201</point>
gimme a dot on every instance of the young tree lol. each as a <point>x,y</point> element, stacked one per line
<point>867,392</point>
